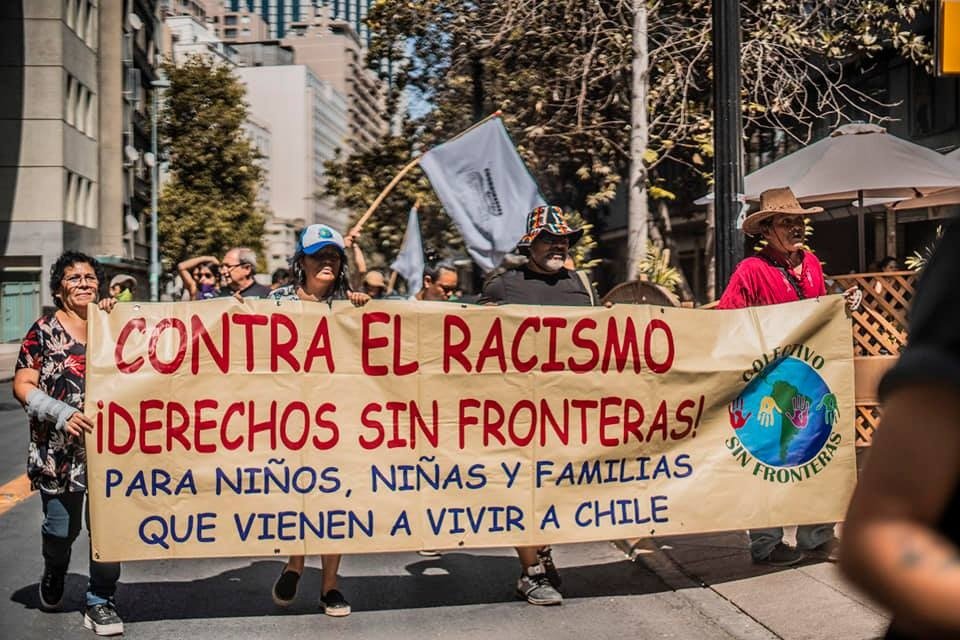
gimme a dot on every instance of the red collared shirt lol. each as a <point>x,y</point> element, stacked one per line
<point>756,282</point>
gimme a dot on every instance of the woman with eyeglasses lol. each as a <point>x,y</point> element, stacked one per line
<point>200,277</point>
<point>319,273</point>
<point>49,383</point>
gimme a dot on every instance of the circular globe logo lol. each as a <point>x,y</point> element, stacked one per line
<point>785,414</point>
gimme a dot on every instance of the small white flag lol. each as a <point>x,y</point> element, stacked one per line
<point>409,262</point>
<point>485,187</point>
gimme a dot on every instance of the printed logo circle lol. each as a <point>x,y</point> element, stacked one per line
<point>785,415</point>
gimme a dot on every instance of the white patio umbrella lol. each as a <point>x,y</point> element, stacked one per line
<point>854,162</point>
<point>939,198</point>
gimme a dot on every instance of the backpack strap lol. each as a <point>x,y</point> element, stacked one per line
<point>585,281</point>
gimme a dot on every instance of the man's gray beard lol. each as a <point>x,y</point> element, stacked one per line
<point>553,264</point>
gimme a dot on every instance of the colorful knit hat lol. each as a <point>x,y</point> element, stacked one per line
<point>552,220</point>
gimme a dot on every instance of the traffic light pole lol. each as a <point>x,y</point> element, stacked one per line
<point>728,177</point>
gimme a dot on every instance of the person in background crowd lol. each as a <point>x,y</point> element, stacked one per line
<point>902,531</point>
<point>782,272</point>
<point>319,273</point>
<point>49,382</point>
<point>200,277</point>
<point>122,287</point>
<point>374,285</point>
<point>237,269</point>
<point>440,280</point>
<point>280,278</point>
<point>541,279</point>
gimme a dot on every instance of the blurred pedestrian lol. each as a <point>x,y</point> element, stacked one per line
<point>544,280</point>
<point>122,287</point>
<point>49,382</point>
<point>374,285</point>
<point>280,278</point>
<point>782,272</point>
<point>200,277</point>
<point>440,280</point>
<point>237,269</point>
<point>319,273</point>
<point>902,532</point>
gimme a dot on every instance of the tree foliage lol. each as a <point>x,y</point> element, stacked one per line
<point>560,72</point>
<point>208,203</point>
<point>358,179</point>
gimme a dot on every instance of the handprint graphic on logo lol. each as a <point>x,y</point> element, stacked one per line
<point>801,412</point>
<point>831,412</point>
<point>767,408</point>
<point>737,419</point>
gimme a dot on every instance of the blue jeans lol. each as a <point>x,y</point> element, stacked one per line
<point>809,536</point>
<point>61,525</point>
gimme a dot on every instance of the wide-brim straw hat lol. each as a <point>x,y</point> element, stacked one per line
<point>773,202</point>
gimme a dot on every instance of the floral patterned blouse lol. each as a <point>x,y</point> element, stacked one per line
<point>56,460</point>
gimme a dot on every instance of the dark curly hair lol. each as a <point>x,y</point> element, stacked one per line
<point>68,259</point>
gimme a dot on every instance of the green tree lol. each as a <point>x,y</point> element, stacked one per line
<point>208,203</point>
<point>561,73</point>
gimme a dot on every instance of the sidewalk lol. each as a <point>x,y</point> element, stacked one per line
<point>714,572</point>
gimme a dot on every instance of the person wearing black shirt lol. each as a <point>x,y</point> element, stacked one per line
<point>902,533</point>
<point>542,279</point>
<point>237,270</point>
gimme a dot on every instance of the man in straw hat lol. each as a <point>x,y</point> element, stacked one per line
<point>542,279</point>
<point>784,271</point>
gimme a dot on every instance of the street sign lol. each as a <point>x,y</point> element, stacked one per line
<point>947,37</point>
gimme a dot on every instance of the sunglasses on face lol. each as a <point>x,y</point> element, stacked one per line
<point>205,275</point>
<point>447,288</point>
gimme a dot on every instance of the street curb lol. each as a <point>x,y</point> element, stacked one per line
<point>645,551</point>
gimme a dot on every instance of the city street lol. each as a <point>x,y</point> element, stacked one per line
<point>692,587</point>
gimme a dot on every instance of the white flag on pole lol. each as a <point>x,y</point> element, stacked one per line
<point>485,187</point>
<point>409,262</point>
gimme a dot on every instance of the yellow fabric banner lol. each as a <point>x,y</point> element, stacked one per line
<point>263,428</point>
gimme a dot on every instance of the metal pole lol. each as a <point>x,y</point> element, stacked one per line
<point>728,177</point>
<point>154,179</point>
<point>157,85</point>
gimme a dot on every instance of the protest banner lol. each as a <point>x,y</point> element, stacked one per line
<point>264,428</point>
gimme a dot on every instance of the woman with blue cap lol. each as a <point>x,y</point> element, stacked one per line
<point>319,272</point>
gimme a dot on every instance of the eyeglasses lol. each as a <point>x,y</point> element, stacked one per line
<point>78,279</point>
<point>231,267</point>
<point>203,276</point>
<point>449,288</point>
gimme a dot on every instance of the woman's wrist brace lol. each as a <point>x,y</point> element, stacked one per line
<point>47,409</point>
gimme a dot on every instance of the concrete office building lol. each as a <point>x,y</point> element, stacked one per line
<point>241,25</point>
<point>269,53</point>
<point>191,37</point>
<point>73,174</point>
<point>332,50</point>
<point>308,123</point>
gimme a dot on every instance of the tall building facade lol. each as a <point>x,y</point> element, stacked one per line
<point>280,14</point>
<point>333,51</point>
<point>307,118</point>
<point>73,170</point>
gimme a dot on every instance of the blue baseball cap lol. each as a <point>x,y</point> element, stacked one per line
<point>318,236</point>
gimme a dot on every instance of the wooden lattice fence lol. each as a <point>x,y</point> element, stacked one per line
<point>879,334</point>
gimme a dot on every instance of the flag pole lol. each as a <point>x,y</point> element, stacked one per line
<point>383,194</point>
<point>405,170</point>
<point>392,282</point>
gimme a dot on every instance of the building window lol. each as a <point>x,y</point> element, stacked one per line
<point>230,20</point>
<point>229,33</point>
